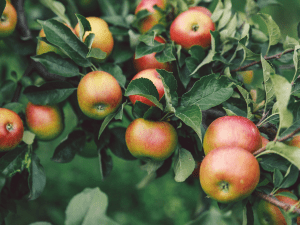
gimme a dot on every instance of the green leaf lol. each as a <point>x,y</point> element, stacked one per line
<point>218,12</point>
<point>290,177</point>
<point>58,8</point>
<point>277,178</point>
<point>151,166</point>
<point>184,165</point>
<point>258,36</point>
<point>248,217</point>
<point>2,7</point>
<point>61,36</point>
<point>192,117</point>
<point>9,159</point>
<point>251,8</point>
<point>148,38</point>
<point>267,72</point>
<point>296,60</point>
<point>84,25</point>
<point>116,72</point>
<point>56,64</point>
<point>287,194</point>
<point>208,92</point>
<point>144,49</point>
<point>139,109</point>
<point>248,54</point>
<point>105,163</point>
<point>66,150</point>
<point>230,29</point>
<point>166,55</point>
<point>7,90</point>
<point>116,20</point>
<point>248,100</point>
<point>290,43</point>
<point>49,93</point>
<point>226,14</point>
<point>41,223</point>
<point>15,106</point>
<point>28,137</point>
<point>37,178</point>
<point>88,208</point>
<point>170,87</point>
<point>96,53</point>
<point>89,40</point>
<point>144,87</point>
<point>290,153</point>
<point>282,89</point>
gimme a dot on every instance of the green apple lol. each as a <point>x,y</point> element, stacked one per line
<point>45,121</point>
<point>8,20</point>
<point>11,129</point>
<point>229,174</point>
<point>156,140</point>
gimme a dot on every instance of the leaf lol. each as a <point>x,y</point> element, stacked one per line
<point>290,153</point>
<point>116,72</point>
<point>143,49</point>
<point>151,165</point>
<point>49,93</point>
<point>9,159</point>
<point>296,60</point>
<point>246,96</point>
<point>37,178</point>
<point>61,36</point>
<point>268,85</point>
<point>184,165</point>
<point>248,54</point>
<point>217,13</point>
<point>192,117</point>
<point>28,137</point>
<point>56,64</point>
<point>41,223</point>
<point>208,92</point>
<point>144,87</point>
<point>248,217</point>
<point>290,177</point>
<point>88,208</point>
<point>105,163</point>
<point>170,87</point>
<point>282,89</point>
<point>96,53</point>
<point>277,178</point>
<point>251,8</point>
<point>139,109</point>
<point>2,7</point>
<point>116,20</point>
<point>165,55</point>
<point>66,150</point>
<point>226,14</point>
<point>84,25</point>
<point>290,43</point>
<point>57,7</point>
<point>15,106</point>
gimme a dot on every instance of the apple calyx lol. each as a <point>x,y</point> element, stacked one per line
<point>195,27</point>
<point>9,127</point>
<point>100,107</point>
<point>3,18</point>
<point>224,186</point>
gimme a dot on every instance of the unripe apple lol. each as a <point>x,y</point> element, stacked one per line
<point>154,76</point>
<point>155,18</point>
<point>156,140</point>
<point>201,9</point>
<point>232,131</point>
<point>247,76</point>
<point>269,214</point>
<point>8,20</point>
<point>150,62</point>
<point>103,37</point>
<point>11,129</point>
<point>98,94</point>
<point>229,174</point>
<point>295,141</point>
<point>192,27</point>
<point>45,121</point>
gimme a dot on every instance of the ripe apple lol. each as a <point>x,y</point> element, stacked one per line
<point>201,9</point>
<point>11,129</point>
<point>43,47</point>
<point>155,18</point>
<point>150,62</point>
<point>8,20</point>
<point>152,75</point>
<point>269,214</point>
<point>192,27</point>
<point>103,37</point>
<point>98,94</point>
<point>264,141</point>
<point>156,140</point>
<point>45,121</point>
<point>229,174</point>
<point>247,76</point>
<point>232,131</point>
<point>295,141</point>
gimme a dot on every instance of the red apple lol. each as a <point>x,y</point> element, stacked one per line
<point>264,141</point>
<point>192,27</point>
<point>153,19</point>
<point>229,174</point>
<point>150,62</point>
<point>152,75</point>
<point>232,131</point>
<point>11,129</point>
<point>151,139</point>
<point>201,9</point>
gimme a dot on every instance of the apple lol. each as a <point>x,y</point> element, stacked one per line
<point>152,75</point>
<point>201,9</point>
<point>247,76</point>
<point>295,141</point>
<point>98,94</point>
<point>156,140</point>
<point>43,47</point>
<point>192,27</point>
<point>155,18</point>
<point>11,129</point>
<point>232,131</point>
<point>229,174</point>
<point>8,20</point>
<point>269,214</point>
<point>264,141</point>
<point>150,62</point>
<point>45,121</point>
<point>103,37</point>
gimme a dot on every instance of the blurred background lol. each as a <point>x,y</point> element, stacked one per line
<point>162,202</point>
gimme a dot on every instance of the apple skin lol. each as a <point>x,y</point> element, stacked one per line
<point>98,94</point>
<point>295,141</point>
<point>153,19</point>
<point>192,27</point>
<point>8,20</point>
<point>154,76</point>
<point>156,140</point>
<point>103,37</point>
<point>269,214</point>
<point>45,121</point>
<point>201,9</point>
<point>11,129</point>
<point>229,174</point>
<point>150,62</point>
<point>232,131</point>
<point>264,141</point>
<point>247,76</point>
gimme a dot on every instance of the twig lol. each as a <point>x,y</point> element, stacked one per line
<point>269,198</point>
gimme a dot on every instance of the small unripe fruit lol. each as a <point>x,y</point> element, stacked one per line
<point>45,121</point>
<point>11,129</point>
<point>8,20</point>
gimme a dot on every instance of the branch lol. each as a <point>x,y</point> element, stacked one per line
<point>269,198</point>
<point>277,56</point>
